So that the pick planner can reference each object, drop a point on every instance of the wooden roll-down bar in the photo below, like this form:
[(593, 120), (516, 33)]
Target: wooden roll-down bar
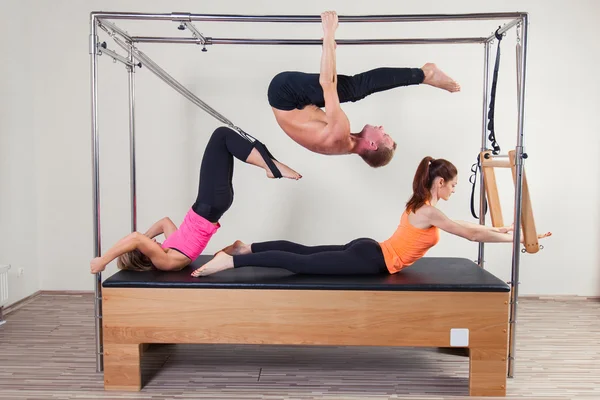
[(488, 163)]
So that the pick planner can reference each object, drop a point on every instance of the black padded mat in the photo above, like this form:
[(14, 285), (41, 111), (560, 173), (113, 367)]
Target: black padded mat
[(427, 274)]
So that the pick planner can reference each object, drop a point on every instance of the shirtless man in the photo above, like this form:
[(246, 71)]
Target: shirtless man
[(297, 98)]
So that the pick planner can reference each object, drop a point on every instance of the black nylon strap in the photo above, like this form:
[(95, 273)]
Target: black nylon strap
[(268, 157), (492, 108), (476, 168)]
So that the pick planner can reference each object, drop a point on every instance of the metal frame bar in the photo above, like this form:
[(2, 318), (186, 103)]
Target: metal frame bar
[(304, 42), (96, 192), (484, 142), (178, 17), (504, 29), (133, 180), (116, 56), (195, 32), (102, 19), (522, 68), (116, 29)]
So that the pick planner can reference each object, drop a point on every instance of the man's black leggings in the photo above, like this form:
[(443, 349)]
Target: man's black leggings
[(290, 90), (215, 189), (359, 257)]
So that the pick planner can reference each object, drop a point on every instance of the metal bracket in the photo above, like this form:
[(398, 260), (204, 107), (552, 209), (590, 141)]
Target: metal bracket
[(180, 17), (195, 32), (93, 45), (117, 57)]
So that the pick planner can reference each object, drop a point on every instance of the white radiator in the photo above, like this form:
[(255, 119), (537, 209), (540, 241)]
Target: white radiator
[(3, 286)]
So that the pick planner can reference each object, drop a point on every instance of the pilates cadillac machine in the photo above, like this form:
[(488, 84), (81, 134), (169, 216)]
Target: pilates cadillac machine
[(449, 302)]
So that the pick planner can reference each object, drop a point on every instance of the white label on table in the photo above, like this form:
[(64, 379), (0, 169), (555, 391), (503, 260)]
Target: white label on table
[(459, 337)]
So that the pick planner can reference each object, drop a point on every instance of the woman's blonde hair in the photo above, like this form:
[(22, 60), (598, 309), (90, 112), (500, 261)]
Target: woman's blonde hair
[(135, 261)]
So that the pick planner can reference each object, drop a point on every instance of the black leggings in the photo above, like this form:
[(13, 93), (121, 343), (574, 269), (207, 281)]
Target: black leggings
[(290, 90), (215, 191), (358, 257)]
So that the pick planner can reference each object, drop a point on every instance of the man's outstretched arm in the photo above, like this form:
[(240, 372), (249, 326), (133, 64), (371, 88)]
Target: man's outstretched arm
[(337, 121)]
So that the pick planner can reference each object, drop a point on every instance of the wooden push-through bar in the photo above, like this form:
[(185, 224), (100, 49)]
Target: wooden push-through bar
[(491, 188)]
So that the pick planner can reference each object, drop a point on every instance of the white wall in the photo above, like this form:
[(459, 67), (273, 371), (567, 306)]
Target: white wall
[(340, 198), (18, 155)]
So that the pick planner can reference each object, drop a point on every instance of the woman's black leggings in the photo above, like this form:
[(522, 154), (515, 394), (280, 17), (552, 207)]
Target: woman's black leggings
[(290, 90), (359, 257), (215, 191)]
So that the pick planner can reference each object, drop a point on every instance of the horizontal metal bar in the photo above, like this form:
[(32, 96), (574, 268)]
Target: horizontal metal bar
[(210, 40), (308, 18), (115, 29), (116, 56), (504, 29), (126, 15)]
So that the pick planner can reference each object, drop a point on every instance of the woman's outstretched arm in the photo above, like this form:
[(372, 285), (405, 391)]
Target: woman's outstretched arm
[(470, 232), (501, 229), (163, 225), (135, 240)]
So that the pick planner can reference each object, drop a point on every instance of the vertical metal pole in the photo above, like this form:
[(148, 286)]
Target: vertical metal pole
[(522, 63), (96, 192), (131, 78), (486, 84)]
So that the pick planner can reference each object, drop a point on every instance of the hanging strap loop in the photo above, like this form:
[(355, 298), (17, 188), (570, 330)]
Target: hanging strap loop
[(476, 169), (492, 107)]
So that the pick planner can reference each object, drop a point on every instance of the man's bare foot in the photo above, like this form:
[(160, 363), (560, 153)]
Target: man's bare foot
[(221, 262), (437, 78), (286, 171), (237, 248)]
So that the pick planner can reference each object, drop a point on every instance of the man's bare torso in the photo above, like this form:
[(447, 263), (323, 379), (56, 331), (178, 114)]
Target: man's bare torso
[(308, 126)]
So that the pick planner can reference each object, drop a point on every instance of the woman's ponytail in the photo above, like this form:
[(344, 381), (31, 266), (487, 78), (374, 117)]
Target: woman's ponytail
[(428, 169)]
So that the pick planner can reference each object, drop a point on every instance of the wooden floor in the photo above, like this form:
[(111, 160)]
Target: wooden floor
[(47, 352)]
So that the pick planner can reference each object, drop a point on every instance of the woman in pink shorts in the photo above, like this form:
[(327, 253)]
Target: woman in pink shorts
[(141, 252)]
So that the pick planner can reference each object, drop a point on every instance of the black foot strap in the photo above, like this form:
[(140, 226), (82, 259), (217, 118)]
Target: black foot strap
[(268, 157), (475, 169), (492, 108)]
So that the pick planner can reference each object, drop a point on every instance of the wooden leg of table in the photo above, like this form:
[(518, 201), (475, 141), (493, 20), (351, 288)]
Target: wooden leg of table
[(122, 370), (487, 372)]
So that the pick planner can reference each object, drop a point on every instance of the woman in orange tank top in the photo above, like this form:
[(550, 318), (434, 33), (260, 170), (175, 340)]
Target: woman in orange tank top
[(417, 232)]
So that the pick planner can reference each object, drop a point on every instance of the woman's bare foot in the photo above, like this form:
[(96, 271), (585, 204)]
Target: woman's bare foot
[(255, 158), (286, 171), (221, 262), (237, 248), (437, 78)]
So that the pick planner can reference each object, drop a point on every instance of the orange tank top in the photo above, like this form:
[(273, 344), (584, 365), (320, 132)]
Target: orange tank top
[(407, 244)]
